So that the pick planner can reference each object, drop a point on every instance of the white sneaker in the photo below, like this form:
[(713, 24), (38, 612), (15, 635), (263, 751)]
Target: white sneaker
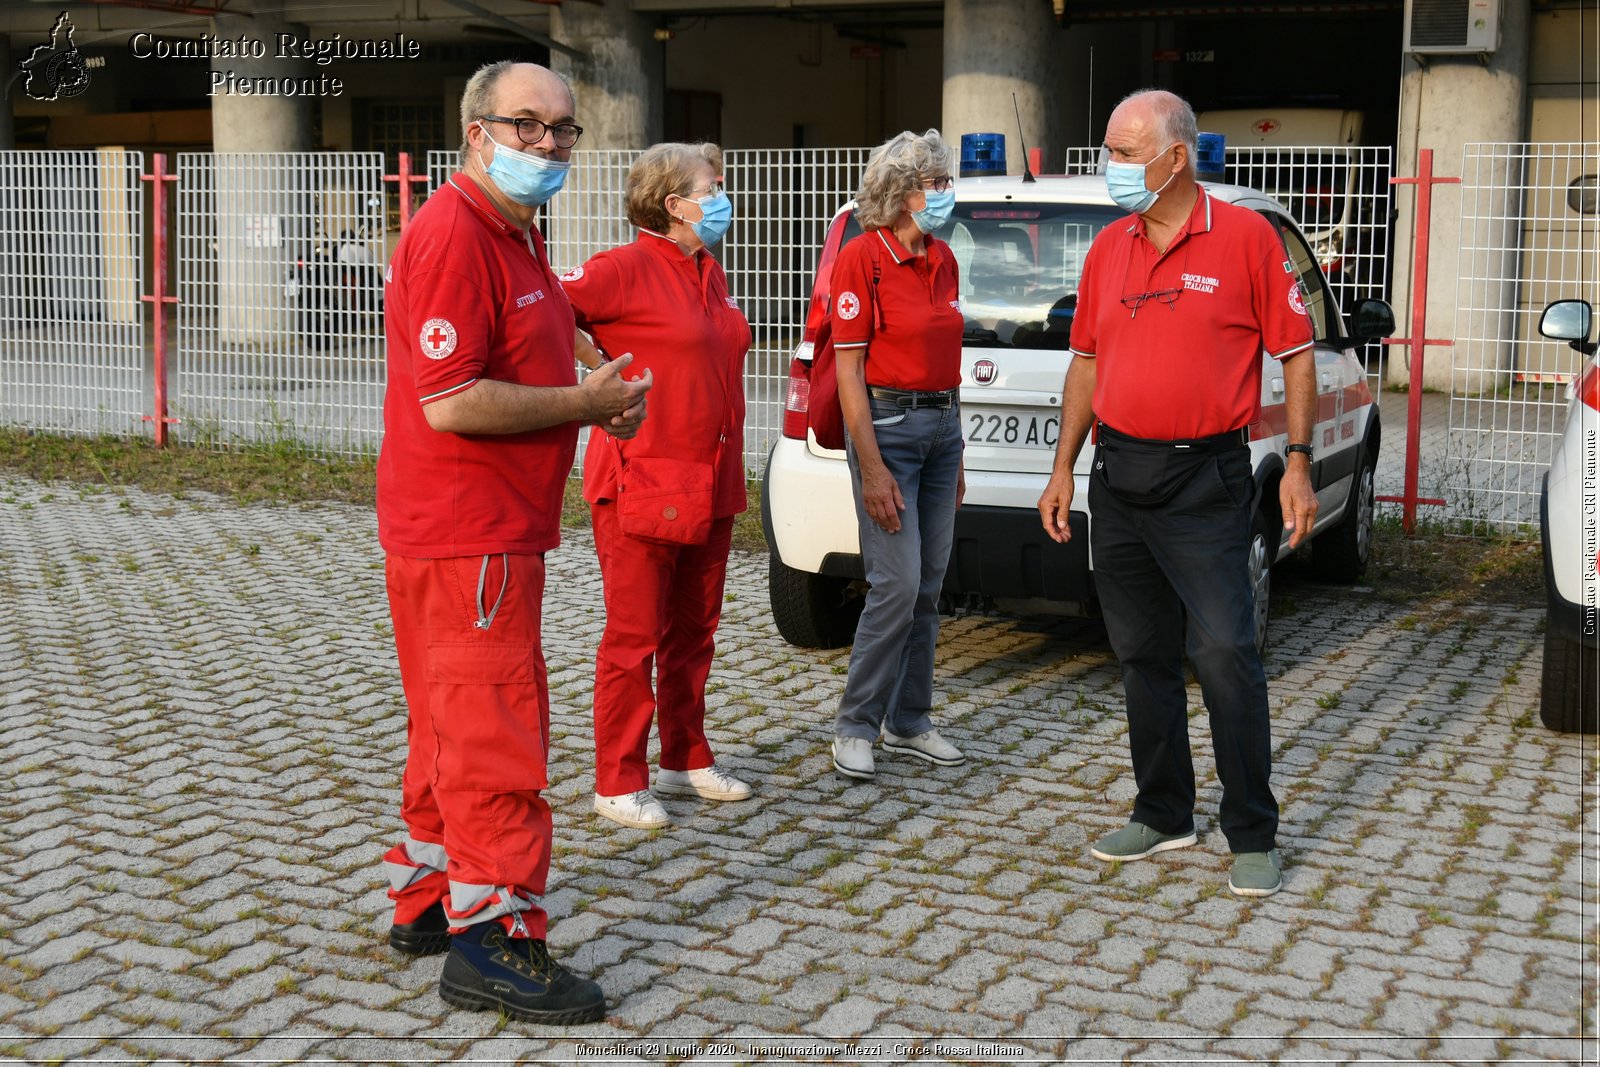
[(708, 783), (929, 746), (633, 809), (853, 756)]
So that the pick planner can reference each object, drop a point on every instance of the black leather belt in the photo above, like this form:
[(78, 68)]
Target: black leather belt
[(912, 399), (1220, 442)]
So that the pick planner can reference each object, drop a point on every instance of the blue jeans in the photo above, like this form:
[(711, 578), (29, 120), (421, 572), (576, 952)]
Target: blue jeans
[(890, 685), (1176, 577)]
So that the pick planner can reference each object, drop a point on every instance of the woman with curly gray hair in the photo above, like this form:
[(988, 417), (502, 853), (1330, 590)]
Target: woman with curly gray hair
[(897, 337)]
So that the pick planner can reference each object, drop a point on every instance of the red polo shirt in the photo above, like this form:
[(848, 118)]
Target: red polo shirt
[(469, 296), (673, 312), (915, 335), (1190, 368)]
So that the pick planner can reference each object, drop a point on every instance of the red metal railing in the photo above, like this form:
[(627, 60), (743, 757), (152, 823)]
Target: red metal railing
[(405, 178), (1419, 340), (159, 299)]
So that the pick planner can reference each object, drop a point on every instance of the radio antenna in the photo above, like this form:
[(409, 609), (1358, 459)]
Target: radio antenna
[(1027, 171)]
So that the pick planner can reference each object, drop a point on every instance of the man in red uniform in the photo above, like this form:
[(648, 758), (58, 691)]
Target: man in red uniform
[(481, 418), (1175, 307)]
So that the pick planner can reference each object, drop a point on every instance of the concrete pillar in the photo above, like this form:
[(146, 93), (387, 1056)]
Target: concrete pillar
[(264, 221), (619, 87), (8, 67), (992, 49), (1447, 102), (260, 123)]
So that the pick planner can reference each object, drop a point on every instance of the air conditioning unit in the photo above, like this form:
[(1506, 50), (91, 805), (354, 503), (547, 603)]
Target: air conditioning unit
[(1452, 27)]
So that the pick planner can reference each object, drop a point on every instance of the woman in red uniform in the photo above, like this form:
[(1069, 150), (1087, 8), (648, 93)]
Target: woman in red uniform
[(664, 299), (897, 332)]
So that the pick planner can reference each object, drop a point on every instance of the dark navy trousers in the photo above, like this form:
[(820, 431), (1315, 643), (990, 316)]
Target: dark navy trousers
[(1175, 578)]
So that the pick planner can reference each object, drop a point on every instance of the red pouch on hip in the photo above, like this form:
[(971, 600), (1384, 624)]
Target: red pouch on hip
[(666, 500)]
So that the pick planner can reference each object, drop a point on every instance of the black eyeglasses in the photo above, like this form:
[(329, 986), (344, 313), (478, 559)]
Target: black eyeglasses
[(938, 185), (1136, 301), (532, 131)]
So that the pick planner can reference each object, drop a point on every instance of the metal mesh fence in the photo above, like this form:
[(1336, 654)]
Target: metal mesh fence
[(280, 290), (1530, 234), (1341, 198), (72, 230), (441, 163), (783, 200)]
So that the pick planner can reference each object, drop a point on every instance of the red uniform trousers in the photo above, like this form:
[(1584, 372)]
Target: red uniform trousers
[(472, 665), (663, 603)]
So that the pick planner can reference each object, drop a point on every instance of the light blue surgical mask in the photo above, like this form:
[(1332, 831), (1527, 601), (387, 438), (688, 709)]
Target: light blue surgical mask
[(716, 213), (937, 212), (527, 179), (1125, 183)]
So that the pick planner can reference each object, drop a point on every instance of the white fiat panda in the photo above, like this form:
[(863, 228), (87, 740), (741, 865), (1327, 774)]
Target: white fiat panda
[(1021, 245)]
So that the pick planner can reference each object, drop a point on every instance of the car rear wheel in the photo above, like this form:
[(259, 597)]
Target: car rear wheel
[(1561, 704), (1260, 564), (1342, 553), (812, 610)]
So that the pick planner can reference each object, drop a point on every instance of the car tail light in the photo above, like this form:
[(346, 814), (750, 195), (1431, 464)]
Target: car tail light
[(798, 402), (1588, 385)]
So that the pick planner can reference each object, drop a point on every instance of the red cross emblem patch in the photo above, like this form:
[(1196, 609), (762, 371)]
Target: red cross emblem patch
[(438, 338), (849, 305)]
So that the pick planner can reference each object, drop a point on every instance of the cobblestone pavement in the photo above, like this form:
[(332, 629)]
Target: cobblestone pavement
[(203, 735)]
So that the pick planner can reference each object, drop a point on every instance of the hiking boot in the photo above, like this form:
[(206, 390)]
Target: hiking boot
[(852, 756), (638, 809), (926, 746), (490, 970), (707, 783), (1135, 841), (1256, 874), (427, 935)]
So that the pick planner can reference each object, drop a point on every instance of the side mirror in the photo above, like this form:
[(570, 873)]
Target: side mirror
[(1569, 321), (1374, 318)]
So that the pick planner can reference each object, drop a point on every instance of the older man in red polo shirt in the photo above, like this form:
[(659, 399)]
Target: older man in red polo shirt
[(481, 420), (1175, 307)]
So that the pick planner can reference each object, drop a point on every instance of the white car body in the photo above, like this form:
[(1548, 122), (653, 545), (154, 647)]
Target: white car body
[(1569, 514), (1010, 409)]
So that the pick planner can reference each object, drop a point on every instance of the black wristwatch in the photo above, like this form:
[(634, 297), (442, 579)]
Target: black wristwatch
[(1290, 450)]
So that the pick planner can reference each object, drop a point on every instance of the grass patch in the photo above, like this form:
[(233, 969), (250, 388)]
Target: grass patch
[(1451, 561), (1456, 563), (279, 473)]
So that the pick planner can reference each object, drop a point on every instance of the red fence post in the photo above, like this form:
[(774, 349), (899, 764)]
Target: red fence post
[(405, 178), (159, 299), (1424, 181)]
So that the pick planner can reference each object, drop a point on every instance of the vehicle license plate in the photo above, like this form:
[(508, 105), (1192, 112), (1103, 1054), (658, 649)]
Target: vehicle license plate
[(1013, 427)]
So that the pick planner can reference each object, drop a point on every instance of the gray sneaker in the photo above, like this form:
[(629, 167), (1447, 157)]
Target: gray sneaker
[(1135, 841), (853, 756), (1256, 874), (926, 746)]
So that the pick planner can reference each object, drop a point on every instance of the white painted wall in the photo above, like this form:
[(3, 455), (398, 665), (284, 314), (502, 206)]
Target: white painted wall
[(1447, 102)]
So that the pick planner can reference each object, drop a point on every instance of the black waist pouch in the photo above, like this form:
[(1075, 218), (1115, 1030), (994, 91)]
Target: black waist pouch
[(1148, 473)]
